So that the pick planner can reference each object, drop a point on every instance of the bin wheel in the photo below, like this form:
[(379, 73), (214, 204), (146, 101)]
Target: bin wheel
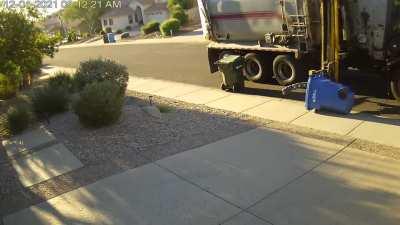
[(223, 86), (395, 85), (237, 88), (253, 67), (285, 69)]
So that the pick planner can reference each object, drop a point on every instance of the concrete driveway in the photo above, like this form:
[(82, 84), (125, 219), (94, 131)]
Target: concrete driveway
[(258, 177)]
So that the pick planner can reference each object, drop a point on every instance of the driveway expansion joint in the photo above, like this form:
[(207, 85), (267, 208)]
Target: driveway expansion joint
[(302, 175), (354, 128), (213, 194)]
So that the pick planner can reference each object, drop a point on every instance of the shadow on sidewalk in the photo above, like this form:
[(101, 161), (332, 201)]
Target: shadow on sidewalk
[(348, 189)]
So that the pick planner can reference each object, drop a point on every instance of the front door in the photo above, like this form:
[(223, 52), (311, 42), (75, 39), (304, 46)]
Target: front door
[(139, 15)]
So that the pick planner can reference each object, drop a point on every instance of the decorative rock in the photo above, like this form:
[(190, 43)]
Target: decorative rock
[(153, 111)]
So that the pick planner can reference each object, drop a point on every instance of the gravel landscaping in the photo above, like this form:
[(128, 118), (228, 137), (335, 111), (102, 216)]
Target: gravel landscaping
[(136, 139)]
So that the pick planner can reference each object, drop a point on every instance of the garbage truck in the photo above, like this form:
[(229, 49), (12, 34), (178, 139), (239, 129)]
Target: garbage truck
[(282, 39)]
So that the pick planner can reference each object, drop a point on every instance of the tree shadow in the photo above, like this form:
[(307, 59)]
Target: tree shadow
[(351, 188)]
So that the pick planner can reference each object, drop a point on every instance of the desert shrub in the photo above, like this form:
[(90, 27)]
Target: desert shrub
[(183, 3), (49, 100), (178, 13), (96, 70), (19, 118), (128, 28), (62, 80), (72, 36), (170, 26), (10, 78), (108, 30), (125, 35), (119, 31), (150, 27), (99, 104)]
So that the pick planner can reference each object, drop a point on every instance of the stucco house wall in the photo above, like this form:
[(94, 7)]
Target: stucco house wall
[(142, 11), (119, 22)]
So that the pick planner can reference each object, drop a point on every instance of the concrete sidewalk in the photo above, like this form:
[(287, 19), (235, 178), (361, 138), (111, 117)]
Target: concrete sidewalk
[(259, 177), (357, 125)]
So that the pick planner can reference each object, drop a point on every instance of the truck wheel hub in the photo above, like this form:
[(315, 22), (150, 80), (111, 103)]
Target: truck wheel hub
[(285, 71), (252, 68)]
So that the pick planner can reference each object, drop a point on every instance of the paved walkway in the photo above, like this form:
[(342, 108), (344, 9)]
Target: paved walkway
[(259, 177), (36, 156)]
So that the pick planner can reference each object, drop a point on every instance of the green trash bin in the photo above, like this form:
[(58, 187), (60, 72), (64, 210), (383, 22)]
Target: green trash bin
[(230, 67)]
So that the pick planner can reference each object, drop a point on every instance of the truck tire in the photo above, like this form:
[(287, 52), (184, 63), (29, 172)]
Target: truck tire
[(285, 69), (253, 67), (395, 85)]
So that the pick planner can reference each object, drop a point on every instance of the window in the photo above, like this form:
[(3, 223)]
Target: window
[(130, 19), (105, 22), (110, 21)]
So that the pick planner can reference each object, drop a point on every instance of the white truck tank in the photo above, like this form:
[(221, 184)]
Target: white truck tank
[(250, 20)]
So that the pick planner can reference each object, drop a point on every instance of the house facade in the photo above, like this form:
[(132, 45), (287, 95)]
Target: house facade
[(133, 14)]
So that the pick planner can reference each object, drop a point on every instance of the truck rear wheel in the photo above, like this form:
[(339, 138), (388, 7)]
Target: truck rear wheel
[(285, 70), (395, 85), (253, 67)]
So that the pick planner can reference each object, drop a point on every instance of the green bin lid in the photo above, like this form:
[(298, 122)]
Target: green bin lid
[(229, 59)]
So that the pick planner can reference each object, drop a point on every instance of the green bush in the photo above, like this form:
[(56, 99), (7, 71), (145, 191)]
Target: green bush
[(72, 36), (99, 104), (108, 30), (50, 100), (170, 25), (62, 80), (150, 27), (22, 42), (128, 28), (96, 70), (119, 31), (18, 118), (178, 13), (10, 79), (183, 3)]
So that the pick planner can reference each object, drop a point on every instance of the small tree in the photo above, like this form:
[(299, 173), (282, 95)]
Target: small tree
[(183, 3), (178, 13), (22, 43)]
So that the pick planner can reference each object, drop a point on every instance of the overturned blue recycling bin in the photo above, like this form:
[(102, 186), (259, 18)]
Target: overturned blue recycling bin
[(322, 93), (111, 38)]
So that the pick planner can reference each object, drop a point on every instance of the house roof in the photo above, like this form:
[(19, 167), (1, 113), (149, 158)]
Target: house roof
[(119, 12), (156, 7), (146, 2)]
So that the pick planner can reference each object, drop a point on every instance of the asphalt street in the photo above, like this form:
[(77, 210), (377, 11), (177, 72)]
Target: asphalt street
[(187, 62)]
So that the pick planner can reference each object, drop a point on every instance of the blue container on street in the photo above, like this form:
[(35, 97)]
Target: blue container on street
[(322, 93), (111, 38)]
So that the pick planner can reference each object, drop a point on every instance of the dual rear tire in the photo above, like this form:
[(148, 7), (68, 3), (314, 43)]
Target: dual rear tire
[(283, 68), (260, 68)]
